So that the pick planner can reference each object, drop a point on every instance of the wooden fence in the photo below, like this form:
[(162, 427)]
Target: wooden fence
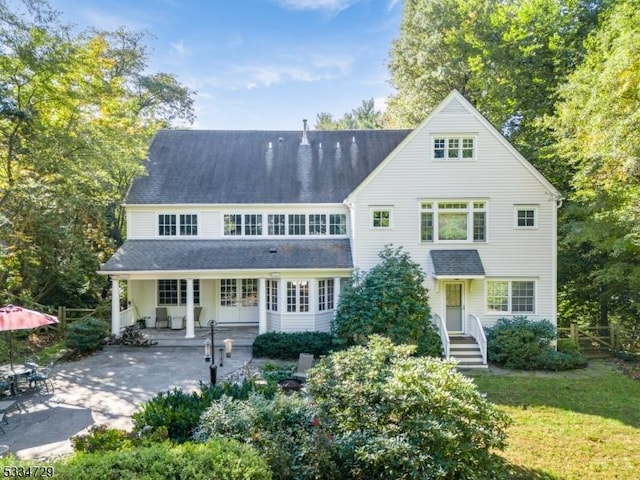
[(601, 341), (69, 315)]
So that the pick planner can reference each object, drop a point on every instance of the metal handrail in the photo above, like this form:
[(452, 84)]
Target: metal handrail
[(442, 331), (476, 331)]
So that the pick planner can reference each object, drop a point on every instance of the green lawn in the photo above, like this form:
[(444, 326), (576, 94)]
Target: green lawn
[(571, 425)]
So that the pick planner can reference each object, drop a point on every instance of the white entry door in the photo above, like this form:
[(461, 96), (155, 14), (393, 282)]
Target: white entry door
[(454, 306)]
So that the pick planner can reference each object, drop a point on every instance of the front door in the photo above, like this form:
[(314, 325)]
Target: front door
[(454, 306)]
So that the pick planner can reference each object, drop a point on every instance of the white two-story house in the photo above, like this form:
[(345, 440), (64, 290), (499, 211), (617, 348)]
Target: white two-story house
[(264, 227)]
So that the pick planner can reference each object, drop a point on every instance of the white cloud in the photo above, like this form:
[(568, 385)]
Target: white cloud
[(180, 48)]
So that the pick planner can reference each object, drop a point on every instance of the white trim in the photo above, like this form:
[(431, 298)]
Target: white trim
[(176, 214), (510, 281), (380, 208), (525, 207)]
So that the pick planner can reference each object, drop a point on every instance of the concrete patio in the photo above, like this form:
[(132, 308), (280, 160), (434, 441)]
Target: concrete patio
[(106, 388)]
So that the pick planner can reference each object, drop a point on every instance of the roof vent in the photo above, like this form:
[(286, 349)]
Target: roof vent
[(305, 140), (273, 249)]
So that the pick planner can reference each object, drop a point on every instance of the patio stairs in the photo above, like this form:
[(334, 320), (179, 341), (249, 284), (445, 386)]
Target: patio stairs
[(241, 336), (466, 351)]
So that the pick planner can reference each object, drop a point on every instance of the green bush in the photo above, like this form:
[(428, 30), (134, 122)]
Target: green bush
[(524, 344), (555, 360), (395, 415), (289, 346), (284, 429), (389, 300), (178, 412), (102, 438), (86, 335), (220, 459)]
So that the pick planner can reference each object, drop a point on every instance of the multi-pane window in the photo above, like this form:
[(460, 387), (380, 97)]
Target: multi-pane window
[(381, 218), (168, 292), (325, 295), (228, 292), (188, 224), (337, 224), (297, 224), (453, 148), (526, 217), (249, 292), (166, 224), (453, 221), (297, 296), (277, 224), (253, 225), (233, 224), (511, 296), (317, 224), (196, 292), (272, 295)]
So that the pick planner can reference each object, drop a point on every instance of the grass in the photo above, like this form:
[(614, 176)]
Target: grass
[(580, 425)]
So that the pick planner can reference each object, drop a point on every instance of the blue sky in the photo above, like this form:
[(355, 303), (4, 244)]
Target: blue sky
[(260, 64)]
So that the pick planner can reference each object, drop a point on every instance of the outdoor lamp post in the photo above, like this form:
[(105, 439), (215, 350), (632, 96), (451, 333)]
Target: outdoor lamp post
[(207, 350)]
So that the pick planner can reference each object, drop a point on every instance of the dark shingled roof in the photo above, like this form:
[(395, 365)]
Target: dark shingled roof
[(463, 263), (179, 255), (199, 166)]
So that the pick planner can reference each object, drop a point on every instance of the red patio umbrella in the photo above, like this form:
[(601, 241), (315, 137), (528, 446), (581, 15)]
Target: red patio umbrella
[(13, 317)]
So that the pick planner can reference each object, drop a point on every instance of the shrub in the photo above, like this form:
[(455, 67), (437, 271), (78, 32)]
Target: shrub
[(219, 459), (394, 415), (178, 412), (554, 360), (289, 346), (524, 344), (518, 342), (284, 429), (86, 335), (103, 439), (389, 300)]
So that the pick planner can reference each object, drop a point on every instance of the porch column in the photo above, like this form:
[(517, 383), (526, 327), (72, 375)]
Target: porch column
[(262, 306), (115, 305), (190, 323), (336, 295)]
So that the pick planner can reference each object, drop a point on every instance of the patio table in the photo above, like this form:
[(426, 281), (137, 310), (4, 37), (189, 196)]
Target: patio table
[(15, 374)]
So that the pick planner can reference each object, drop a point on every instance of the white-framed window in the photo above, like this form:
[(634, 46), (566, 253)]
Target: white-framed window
[(526, 216), (297, 224), (380, 217), (453, 221), (233, 224), (167, 224), (297, 296), (325, 295), (453, 147), (188, 224), (228, 292), (317, 224), (168, 293), (249, 292), (277, 225), (511, 296), (252, 224), (272, 295), (337, 224)]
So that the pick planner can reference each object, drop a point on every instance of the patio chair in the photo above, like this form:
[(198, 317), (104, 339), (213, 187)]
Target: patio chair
[(42, 377), (161, 316), (196, 317), (305, 362)]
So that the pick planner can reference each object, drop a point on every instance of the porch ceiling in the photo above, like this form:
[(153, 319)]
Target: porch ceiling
[(178, 255), (456, 264)]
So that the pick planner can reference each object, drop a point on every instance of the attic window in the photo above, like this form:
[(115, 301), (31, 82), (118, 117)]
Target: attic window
[(453, 148)]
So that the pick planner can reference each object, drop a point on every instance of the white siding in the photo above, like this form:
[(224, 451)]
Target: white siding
[(298, 322), (495, 176), (141, 225), (323, 321)]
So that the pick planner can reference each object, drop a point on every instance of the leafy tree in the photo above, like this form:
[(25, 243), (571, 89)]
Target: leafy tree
[(365, 117), (391, 300), (394, 415), (597, 128), (76, 117)]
